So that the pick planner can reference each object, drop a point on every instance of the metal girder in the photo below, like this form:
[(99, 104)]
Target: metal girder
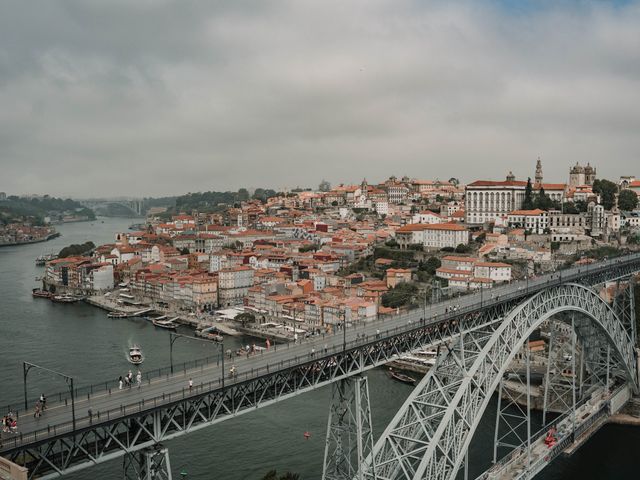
[(349, 430), (430, 435), (151, 463), (100, 441)]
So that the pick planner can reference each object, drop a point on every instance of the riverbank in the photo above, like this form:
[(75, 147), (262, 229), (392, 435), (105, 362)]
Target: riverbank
[(31, 242)]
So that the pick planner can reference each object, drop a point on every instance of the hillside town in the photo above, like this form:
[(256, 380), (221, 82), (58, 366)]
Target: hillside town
[(355, 252)]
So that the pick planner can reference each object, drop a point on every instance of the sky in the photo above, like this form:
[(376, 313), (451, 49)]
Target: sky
[(160, 97)]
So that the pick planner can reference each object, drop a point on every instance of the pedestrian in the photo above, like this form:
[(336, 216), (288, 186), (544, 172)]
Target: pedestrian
[(377, 333), (90, 413), (36, 413), (313, 351), (295, 338), (326, 348), (190, 384), (139, 378), (43, 401), (120, 383)]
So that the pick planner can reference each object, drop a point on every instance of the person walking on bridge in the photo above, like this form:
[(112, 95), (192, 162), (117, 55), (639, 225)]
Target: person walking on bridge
[(43, 401), (139, 378)]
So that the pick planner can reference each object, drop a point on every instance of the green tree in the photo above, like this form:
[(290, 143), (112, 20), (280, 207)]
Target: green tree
[(607, 191), (527, 204), (543, 202), (399, 296), (431, 265), (462, 248), (627, 200)]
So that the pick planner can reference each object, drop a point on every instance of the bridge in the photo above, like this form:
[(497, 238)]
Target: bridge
[(477, 344), (135, 206)]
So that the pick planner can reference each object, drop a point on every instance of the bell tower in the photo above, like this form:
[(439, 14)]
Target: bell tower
[(538, 177)]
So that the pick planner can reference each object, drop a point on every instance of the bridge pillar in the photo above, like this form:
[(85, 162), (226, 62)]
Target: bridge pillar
[(148, 464), (349, 432)]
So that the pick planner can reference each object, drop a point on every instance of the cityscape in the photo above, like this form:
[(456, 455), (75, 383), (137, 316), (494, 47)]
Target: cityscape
[(320, 241)]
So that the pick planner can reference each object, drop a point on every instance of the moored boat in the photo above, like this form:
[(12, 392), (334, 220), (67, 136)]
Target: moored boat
[(135, 355), (117, 315), (40, 293), (401, 377), (166, 324), (66, 298), (210, 333)]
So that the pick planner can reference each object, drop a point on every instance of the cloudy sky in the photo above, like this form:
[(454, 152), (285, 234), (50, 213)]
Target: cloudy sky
[(155, 97)]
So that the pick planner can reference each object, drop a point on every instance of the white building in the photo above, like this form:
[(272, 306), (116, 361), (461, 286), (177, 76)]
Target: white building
[(233, 285), (535, 221)]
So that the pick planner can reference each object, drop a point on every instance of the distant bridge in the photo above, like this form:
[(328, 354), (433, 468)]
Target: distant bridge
[(136, 206), (429, 436)]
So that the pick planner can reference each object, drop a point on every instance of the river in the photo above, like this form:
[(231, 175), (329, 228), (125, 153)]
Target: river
[(79, 340)]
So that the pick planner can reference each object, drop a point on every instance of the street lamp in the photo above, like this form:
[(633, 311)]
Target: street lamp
[(175, 336), (27, 366)]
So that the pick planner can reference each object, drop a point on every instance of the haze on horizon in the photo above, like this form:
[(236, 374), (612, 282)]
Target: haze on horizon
[(162, 97)]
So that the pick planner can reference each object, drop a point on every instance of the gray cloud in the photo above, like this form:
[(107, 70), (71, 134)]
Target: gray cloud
[(162, 97)]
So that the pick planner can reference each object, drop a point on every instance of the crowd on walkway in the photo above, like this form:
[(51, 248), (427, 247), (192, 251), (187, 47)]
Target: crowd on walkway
[(127, 380)]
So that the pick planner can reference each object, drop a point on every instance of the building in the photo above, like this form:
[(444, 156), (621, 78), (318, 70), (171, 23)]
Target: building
[(397, 275), (579, 175), (471, 273), (433, 236), (233, 285), (534, 221), (488, 201)]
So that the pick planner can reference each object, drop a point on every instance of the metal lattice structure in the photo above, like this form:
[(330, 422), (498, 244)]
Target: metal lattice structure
[(349, 431), (148, 464), (461, 335), (429, 437)]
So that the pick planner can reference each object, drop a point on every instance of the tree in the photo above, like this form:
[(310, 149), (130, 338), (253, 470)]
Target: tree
[(431, 265), (245, 317), (399, 296), (243, 194), (627, 200), (454, 181), (392, 243), (527, 204), (324, 186), (543, 202), (607, 191), (462, 248)]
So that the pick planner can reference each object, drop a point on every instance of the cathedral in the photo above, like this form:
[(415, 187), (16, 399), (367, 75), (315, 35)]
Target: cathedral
[(579, 175)]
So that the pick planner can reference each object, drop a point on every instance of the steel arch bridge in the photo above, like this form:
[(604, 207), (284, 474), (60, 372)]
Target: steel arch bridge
[(430, 435)]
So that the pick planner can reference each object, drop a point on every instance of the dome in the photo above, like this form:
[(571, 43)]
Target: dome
[(577, 169), (588, 169)]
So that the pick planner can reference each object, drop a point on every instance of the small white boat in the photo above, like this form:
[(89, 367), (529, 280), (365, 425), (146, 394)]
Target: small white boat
[(166, 324), (117, 315), (135, 355)]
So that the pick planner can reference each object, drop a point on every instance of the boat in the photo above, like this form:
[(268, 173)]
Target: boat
[(117, 315), (43, 259), (135, 355), (166, 324), (66, 298), (401, 377), (210, 333), (40, 293)]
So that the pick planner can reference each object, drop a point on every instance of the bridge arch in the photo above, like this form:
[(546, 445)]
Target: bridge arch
[(430, 435)]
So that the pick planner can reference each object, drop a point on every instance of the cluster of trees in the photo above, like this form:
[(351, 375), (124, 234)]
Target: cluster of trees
[(427, 269), (401, 295), (539, 200), (33, 210), (206, 201), (76, 249)]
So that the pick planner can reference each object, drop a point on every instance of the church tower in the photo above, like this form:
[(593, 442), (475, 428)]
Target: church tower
[(538, 177)]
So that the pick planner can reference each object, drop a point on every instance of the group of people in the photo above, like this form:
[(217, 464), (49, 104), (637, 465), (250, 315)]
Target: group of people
[(128, 379), (41, 406), (9, 423), (451, 308)]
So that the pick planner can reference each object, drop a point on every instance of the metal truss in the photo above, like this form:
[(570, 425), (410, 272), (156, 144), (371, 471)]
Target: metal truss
[(147, 425), (151, 463), (349, 431), (430, 435)]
